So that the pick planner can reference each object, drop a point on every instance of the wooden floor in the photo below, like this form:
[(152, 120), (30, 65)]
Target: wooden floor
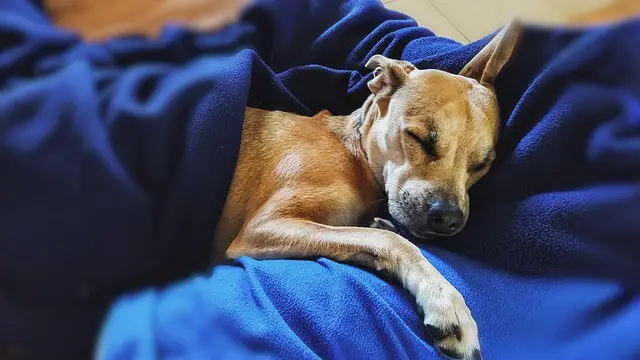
[(614, 12), (469, 20), (99, 19), (463, 20)]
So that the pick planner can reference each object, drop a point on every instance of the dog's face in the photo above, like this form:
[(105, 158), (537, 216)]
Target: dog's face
[(441, 130), (433, 135)]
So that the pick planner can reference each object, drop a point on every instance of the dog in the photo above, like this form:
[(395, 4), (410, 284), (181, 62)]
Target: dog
[(311, 186)]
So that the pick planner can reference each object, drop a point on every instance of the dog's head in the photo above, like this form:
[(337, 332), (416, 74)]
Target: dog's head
[(430, 135)]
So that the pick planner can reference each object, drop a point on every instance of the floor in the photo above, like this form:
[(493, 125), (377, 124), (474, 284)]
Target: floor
[(462, 20), (99, 19), (469, 20)]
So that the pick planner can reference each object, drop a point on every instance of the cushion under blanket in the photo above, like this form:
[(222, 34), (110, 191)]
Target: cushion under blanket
[(115, 160)]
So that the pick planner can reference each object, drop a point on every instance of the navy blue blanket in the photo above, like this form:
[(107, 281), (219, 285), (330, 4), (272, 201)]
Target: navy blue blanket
[(115, 159)]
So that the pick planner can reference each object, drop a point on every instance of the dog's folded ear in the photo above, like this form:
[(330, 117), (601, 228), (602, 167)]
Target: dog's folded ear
[(486, 65), (389, 74)]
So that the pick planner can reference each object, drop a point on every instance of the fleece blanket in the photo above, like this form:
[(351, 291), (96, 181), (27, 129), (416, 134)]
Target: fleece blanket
[(115, 159)]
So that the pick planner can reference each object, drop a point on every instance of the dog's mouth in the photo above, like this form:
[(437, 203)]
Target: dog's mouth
[(428, 235), (423, 236)]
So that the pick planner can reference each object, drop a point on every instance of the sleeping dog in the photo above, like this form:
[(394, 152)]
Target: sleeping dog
[(311, 186)]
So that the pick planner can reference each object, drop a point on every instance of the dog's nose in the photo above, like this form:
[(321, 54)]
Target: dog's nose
[(445, 218)]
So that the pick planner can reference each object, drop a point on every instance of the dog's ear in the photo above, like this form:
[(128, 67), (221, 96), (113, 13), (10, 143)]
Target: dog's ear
[(486, 65), (389, 74)]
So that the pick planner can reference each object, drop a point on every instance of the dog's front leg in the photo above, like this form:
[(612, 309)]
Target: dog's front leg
[(445, 313)]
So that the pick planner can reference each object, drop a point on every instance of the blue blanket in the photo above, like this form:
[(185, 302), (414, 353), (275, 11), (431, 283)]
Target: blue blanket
[(115, 159)]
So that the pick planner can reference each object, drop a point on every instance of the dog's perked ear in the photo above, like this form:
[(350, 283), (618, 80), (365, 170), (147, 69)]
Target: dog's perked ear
[(389, 74), (486, 65)]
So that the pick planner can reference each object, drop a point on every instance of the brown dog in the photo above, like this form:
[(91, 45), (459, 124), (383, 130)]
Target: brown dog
[(309, 187)]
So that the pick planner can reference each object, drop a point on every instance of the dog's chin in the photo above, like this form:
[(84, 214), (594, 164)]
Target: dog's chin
[(428, 235), (423, 236)]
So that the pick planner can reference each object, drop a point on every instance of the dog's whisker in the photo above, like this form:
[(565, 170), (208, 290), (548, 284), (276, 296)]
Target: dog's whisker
[(400, 188)]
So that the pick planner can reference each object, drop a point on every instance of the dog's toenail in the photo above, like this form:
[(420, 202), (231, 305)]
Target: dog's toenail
[(476, 355), (437, 333), (456, 332), (451, 353)]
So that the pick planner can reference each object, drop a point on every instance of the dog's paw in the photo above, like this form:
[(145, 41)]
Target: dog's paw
[(448, 320)]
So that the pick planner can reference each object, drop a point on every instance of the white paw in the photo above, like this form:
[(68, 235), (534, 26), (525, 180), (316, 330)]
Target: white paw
[(448, 321)]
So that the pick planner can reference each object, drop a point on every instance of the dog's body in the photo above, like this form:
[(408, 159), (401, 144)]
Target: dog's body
[(311, 186), (305, 162)]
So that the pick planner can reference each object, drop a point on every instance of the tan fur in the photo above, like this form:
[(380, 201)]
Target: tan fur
[(309, 186), (464, 116)]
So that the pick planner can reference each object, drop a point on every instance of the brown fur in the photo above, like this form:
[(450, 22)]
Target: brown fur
[(308, 186)]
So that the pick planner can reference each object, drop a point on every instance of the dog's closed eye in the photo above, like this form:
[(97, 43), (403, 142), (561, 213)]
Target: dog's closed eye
[(428, 143), (484, 163), (479, 167)]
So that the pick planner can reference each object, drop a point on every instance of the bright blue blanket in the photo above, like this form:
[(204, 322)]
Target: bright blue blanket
[(115, 159)]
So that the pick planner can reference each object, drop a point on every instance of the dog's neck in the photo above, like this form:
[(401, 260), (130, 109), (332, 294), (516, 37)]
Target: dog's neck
[(353, 130), (348, 130)]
